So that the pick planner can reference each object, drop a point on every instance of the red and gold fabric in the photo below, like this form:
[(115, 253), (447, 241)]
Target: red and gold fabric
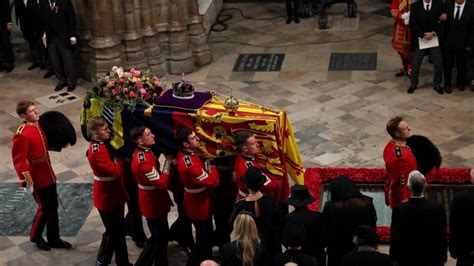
[(399, 162), (401, 36), (30, 156), (109, 191), (153, 198), (198, 183)]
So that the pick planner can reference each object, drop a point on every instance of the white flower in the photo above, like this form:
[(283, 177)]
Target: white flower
[(120, 72)]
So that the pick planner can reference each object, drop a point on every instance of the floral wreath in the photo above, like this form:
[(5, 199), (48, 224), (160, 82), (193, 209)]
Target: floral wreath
[(126, 89)]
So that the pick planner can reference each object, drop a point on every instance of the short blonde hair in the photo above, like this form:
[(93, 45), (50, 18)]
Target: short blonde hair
[(95, 123)]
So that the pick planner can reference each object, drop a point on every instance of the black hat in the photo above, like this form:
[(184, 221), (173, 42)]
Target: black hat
[(366, 234), (58, 129), (300, 196), (253, 178), (294, 234)]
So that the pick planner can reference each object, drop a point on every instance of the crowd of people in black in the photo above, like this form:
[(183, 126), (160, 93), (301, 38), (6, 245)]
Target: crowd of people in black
[(49, 28)]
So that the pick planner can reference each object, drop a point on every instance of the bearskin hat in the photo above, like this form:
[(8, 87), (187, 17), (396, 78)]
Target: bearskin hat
[(58, 130), (426, 153)]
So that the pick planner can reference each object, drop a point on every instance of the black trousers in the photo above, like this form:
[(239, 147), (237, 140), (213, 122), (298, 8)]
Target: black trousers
[(113, 240), (465, 261), (292, 9), (133, 219), (202, 249), (181, 230), (435, 56), (156, 249), (46, 214), (62, 59), (6, 53), (460, 58)]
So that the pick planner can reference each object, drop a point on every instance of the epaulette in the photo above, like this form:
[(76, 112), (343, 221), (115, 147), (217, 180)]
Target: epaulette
[(187, 161), (20, 128), (398, 152), (141, 156), (248, 164), (95, 147)]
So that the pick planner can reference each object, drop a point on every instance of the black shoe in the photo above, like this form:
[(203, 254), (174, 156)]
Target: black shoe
[(71, 87), (448, 89), (60, 86), (439, 90), (461, 87), (411, 89), (60, 244), (48, 74), (41, 244), (9, 69), (288, 20), (400, 73), (140, 243), (297, 20), (33, 66)]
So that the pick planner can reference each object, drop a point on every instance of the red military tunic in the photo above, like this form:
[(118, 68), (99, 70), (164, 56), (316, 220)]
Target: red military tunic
[(242, 163), (109, 191), (399, 162), (153, 198), (401, 37), (197, 182), (30, 156)]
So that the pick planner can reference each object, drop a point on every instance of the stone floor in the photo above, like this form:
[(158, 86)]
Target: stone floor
[(338, 116)]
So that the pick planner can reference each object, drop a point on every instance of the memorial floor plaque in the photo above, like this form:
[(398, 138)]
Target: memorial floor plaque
[(353, 61), (58, 98), (258, 62), (18, 208)]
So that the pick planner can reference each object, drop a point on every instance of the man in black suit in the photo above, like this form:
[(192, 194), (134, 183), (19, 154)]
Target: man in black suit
[(6, 52), (418, 229), (458, 41), (461, 224), (60, 38), (425, 23), (312, 221), (28, 15)]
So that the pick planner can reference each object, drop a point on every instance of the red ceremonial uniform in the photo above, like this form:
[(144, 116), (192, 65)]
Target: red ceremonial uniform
[(153, 197), (30, 156), (109, 190), (401, 36), (197, 182), (242, 163), (399, 162)]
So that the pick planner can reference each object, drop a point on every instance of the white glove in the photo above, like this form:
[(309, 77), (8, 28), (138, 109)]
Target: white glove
[(406, 17)]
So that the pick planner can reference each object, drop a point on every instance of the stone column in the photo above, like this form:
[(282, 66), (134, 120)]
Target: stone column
[(151, 40), (132, 36), (83, 37), (197, 35), (105, 43), (179, 58)]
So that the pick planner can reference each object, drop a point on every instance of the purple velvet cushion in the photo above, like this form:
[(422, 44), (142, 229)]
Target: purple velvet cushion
[(197, 102)]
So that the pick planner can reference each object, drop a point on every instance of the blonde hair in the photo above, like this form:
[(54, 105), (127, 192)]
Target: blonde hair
[(95, 123), (246, 234)]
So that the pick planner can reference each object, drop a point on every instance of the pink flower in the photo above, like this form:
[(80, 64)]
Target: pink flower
[(114, 92), (105, 89), (122, 80), (142, 91), (157, 83), (139, 84), (155, 95), (111, 83), (125, 90), (127, 74), (131, 94), (135, 72)]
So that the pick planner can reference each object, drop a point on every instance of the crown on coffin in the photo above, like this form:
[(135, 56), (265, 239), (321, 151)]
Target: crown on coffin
[(183, 89)]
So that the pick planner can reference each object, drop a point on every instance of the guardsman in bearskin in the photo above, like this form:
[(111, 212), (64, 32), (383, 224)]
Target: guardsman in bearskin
[(33, 166), (399, 162), (153, 197), (198, 178), (249, 148), (109, 195)]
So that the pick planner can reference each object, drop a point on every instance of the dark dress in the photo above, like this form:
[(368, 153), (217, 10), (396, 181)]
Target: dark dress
[(313, 223), (266, 220), (295, 256), (461, 221), (346, 210), (366, 257), (231, 255)]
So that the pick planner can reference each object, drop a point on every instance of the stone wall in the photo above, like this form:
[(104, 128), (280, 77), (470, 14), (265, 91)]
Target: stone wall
[(166, 36)]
